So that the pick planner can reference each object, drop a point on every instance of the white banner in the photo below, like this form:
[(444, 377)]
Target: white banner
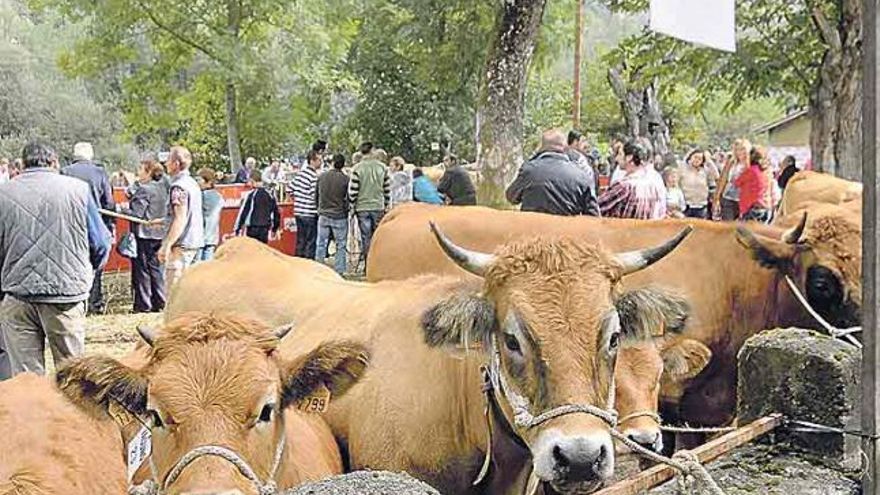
[(706, 22)]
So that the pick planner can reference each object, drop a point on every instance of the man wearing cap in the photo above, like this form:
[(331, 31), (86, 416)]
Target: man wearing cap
[(85, 169), (638, 194)]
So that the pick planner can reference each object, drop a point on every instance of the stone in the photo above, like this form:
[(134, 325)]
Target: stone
[(805, 376), (366, 483)]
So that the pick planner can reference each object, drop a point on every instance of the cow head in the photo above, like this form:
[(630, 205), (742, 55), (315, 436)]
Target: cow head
[(214, 381), (546, 315), (823, 256), (653, 318)]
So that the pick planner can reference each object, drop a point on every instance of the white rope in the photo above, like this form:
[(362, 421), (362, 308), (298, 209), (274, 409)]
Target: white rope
[(831, 329), (150, 487)]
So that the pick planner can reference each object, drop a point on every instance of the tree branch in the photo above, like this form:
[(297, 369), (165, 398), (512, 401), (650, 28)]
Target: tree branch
[(829, 34), (175, 34)]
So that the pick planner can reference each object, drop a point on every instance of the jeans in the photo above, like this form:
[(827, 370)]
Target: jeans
[(368, 221), (147, 278), (756, 214), (692, 212), (729, 210), (26, 326), (206, 253), (179, 261), (339, 230), (306, 235)]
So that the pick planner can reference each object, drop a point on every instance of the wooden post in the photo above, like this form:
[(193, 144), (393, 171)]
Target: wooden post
[(578, 55), (870, 253), (708, 451)]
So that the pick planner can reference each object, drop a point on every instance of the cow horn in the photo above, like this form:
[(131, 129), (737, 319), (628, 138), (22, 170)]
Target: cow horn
[(147, 333), (634, 261), (472, 261), (282, 331), (793, 236)]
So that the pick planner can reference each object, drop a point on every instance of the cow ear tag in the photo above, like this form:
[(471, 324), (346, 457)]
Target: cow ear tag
[(317, 402)]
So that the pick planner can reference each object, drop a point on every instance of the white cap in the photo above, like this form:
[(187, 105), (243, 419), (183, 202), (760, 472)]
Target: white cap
[(83, 151)]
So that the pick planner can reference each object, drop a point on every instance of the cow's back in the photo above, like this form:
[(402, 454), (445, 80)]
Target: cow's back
[(245, 267), (49, 446), (807, 188)]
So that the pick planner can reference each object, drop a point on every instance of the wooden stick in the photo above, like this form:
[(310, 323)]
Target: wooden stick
[(708, 451), (122, 216)]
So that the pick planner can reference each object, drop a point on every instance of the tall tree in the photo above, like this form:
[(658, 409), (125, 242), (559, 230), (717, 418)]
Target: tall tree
[(500, 117), (803, 53)]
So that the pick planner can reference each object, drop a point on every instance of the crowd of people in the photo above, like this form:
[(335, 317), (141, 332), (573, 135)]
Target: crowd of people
[(57, 224)]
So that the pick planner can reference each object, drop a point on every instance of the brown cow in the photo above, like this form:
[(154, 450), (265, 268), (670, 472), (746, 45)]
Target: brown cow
[(49, 446), (543, 320), (808, 188), (215, 394), (732, 296)]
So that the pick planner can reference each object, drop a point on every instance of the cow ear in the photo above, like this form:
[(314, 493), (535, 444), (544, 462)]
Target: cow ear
[(95, 381), (335, 366), (683, 358), (463, 320), (652, 311), (768, 252)]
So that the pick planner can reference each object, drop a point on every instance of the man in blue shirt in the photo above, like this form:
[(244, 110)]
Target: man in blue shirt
[(51, 241)]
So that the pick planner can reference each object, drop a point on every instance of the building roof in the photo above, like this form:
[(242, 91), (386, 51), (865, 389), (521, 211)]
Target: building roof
[(781, 122)]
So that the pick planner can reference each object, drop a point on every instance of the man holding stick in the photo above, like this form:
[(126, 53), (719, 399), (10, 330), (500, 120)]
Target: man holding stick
[(186, 231)]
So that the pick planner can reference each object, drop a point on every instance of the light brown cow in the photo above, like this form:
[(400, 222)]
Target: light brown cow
[(809, 188), (49, 446), (216, 393), (732, 296), (543, 319)]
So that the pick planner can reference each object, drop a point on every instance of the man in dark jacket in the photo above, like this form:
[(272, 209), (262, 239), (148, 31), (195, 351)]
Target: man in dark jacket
[(46, 278), (551, 183), (259, 214), (85, 169), (333, 213), (456, 184)]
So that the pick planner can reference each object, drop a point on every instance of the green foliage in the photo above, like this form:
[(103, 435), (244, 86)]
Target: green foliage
[(37, 101)]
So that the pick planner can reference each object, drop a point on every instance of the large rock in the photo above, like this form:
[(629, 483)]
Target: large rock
[(804, 376), (366, 483)]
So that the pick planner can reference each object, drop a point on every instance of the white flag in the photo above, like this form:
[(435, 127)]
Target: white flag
[(706, 22)]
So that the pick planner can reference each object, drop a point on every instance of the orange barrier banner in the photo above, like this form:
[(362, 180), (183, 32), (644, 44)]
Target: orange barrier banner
[(232, 195)]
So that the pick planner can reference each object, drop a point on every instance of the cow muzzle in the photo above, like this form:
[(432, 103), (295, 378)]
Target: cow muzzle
[(573, 463)]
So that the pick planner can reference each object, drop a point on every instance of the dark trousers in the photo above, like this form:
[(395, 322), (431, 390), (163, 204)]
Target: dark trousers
[(692, 212), (368, 222), (96, 295), (147, 277), (729, 210), (306, 237), (259, 233)]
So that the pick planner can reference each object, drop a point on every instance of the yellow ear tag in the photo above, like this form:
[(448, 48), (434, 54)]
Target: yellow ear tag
[(317, 402)]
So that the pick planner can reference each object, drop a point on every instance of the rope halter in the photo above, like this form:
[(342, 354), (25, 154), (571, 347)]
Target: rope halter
[(269, 487)]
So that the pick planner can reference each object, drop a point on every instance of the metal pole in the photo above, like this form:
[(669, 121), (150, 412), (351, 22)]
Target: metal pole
[(870, 253), (578, 55)]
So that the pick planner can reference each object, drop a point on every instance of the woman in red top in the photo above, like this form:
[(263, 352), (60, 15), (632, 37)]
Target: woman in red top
[(753, 185)]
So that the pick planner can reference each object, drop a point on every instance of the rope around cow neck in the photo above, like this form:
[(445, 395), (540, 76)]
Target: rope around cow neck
[(270, 487)]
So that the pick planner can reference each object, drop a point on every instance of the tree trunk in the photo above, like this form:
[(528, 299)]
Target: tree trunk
[(836, 103), (501, 102), (232, 127), (642, 111)]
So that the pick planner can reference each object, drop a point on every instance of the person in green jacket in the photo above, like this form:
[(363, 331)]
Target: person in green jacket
[(370, 193)]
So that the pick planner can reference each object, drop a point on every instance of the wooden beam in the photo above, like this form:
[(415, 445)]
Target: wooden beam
[(130, 218), (870, 253), (711, 450)]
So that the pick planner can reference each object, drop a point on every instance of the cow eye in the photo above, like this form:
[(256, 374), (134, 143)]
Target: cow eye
[(266, 413), (156, 419), (511, 343), (614, 341)]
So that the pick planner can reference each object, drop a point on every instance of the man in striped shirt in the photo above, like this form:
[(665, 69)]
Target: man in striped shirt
[(639, 194), (305, 206), (370, 193)]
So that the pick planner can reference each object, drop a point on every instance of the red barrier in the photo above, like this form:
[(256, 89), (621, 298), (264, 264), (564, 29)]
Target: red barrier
[(232, 195)]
